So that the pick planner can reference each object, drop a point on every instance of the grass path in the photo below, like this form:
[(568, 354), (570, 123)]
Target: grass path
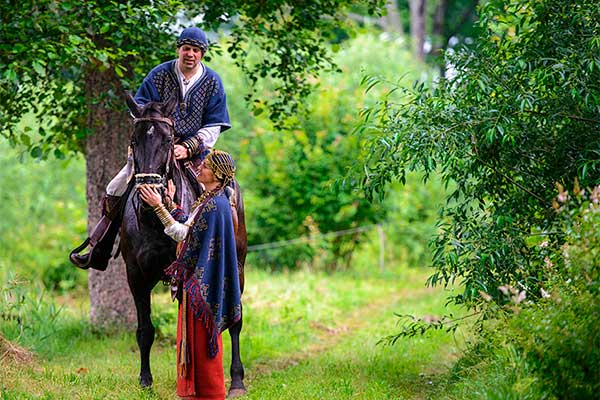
[(306, 336), (345, 362), (328, 337)]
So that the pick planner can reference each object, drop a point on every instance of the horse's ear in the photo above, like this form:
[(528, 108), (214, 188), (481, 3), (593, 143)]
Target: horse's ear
[(133, 106), (169, 106)]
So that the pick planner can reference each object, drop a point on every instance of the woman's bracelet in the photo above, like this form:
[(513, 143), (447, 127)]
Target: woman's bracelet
[(169, 204), (164, 215)]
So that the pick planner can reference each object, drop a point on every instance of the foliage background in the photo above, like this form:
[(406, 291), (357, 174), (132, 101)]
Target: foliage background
[(518, 117), (521, 118), (288, 181)]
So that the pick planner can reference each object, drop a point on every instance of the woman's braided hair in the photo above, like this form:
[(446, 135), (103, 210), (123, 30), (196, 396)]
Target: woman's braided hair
[(222, 165)]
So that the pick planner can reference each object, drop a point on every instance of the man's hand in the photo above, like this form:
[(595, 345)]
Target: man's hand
[(180, 152)]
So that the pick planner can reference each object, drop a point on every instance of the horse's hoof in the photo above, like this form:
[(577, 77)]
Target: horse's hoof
[(236, 393), (146, 382)]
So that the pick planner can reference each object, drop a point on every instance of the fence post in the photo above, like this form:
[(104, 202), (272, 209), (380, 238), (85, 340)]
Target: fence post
[(381, 247)]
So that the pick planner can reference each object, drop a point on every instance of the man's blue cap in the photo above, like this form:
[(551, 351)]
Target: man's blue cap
[(194, 37)]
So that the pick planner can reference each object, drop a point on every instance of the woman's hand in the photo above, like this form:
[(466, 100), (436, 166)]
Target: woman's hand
[(150, 195), (180, 152), (169, 195), (171, 189)]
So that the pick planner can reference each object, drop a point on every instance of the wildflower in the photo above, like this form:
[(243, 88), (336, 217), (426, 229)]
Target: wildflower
[(485, 296), (431, 319), (595, 195), (517, 298), (563, 196), (506, 289)]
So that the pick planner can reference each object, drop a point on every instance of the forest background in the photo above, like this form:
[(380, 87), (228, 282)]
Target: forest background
[(526, 273)]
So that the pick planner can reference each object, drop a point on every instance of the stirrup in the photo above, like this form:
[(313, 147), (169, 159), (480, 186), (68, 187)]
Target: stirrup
[(80, 261), (83, 261), (95, 258)]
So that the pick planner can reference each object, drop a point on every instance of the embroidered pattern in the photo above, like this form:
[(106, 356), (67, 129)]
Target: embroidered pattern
[(214, 248), (207, 267), (187, 119)]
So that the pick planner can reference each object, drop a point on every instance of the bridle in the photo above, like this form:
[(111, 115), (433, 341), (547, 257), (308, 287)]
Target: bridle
[(157, 180), (166, 120)]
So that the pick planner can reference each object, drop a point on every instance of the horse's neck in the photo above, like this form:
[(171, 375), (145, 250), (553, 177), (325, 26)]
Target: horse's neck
[(184, 194)]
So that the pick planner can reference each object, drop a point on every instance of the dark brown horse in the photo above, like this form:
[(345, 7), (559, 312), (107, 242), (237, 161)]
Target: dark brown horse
[(146, 249)]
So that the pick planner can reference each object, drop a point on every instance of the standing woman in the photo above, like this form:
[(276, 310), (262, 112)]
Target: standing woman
[(205, 274)]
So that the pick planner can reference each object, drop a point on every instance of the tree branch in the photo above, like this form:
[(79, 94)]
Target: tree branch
[(573, 117), (511, 180)]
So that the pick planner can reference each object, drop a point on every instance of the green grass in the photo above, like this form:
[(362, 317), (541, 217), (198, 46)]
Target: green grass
[(306, 336)]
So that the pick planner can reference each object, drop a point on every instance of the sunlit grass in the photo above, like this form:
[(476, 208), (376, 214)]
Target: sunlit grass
[(306, 335)]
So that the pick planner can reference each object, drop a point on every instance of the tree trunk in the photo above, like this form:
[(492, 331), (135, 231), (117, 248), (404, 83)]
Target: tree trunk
[(439, 34), (111, 303), (438, 30), (391, 21), (417, 27)]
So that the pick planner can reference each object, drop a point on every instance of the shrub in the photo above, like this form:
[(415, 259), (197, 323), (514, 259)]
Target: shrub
[(548, 349)]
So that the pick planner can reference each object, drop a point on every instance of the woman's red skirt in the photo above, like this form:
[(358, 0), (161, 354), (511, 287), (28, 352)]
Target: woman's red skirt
[(204, 376)]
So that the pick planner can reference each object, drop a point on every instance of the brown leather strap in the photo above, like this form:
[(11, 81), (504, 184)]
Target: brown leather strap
[(100, 230), (234, 219), (167, 121)]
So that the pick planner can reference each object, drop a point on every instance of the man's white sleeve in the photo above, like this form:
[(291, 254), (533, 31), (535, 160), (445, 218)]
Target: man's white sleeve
[(210, 135), (118, 184)]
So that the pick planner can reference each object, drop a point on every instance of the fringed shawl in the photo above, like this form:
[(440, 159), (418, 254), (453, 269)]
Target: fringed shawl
[(207, 269)]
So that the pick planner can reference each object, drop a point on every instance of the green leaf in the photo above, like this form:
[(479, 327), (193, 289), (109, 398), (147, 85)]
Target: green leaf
[(120, 71), (36, 152), (39, 68), (59, 154), (11, 75), (26, 140)]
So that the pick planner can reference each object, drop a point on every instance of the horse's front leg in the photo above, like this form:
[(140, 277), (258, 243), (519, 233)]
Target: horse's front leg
[(145, 333), (236, 371)]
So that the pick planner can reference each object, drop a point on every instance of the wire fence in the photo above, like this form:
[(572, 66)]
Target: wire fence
[(310, 238), (328, 235)]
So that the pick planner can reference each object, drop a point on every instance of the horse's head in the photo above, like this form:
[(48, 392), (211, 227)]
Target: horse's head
[(152, 140)]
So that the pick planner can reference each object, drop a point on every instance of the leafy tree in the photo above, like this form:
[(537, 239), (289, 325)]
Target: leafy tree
[(518, 118), (67, 63), (290, 179)]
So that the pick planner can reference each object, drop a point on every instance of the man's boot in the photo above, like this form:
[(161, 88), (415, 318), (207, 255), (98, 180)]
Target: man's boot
[(102, 239)]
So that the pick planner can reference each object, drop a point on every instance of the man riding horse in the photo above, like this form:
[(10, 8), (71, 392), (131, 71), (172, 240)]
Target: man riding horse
[(199, 118)]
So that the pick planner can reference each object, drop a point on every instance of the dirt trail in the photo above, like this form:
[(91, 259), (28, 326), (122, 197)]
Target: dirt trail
[(327, 337)]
